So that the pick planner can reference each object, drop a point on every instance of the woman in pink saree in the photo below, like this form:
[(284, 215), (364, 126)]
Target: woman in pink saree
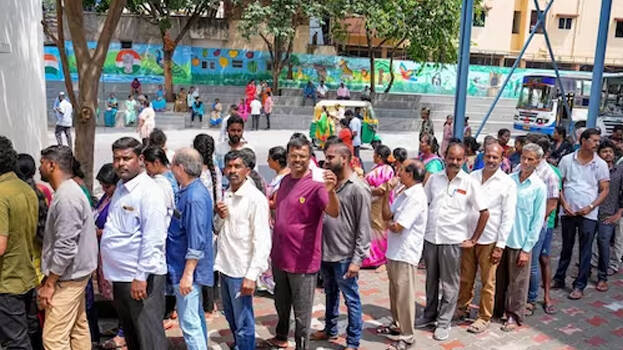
[(249, 92), (378, 180)]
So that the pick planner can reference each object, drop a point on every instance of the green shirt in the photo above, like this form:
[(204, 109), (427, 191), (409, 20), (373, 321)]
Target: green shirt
[(551, 220), (19, 212), (434, 166)]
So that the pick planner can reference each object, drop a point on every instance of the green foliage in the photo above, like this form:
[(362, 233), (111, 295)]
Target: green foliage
[(159, 12)]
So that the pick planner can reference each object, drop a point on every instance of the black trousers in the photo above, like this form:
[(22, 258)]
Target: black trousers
[(19, 325), (294, 291), (255, 121), (267, 120), (142, 320)]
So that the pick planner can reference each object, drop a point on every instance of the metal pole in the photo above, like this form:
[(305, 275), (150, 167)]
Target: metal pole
[(598, 66), (554, 64), (539, 23), (467, 14)]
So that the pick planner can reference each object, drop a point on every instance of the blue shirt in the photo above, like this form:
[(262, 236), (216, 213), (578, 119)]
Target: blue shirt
[(198, 108), (190, 235), (529, 214)]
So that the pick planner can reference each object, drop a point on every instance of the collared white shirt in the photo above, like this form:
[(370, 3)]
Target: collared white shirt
[(449, 205), (134, 238), (244, 238), (169, 197), (500, 193), (580, 183), (64, 118), (410, 212), (256, 107)]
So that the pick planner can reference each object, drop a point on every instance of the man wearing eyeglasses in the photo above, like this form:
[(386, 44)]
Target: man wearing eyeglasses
[(451, 194)]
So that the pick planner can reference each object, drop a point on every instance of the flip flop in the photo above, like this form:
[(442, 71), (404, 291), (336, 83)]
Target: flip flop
[(549, 309), (387, 330)]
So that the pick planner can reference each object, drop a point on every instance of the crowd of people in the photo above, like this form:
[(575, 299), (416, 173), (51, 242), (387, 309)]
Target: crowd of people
[(176, 230)]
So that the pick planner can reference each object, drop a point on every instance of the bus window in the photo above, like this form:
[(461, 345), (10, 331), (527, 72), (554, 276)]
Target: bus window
[(535, 96)]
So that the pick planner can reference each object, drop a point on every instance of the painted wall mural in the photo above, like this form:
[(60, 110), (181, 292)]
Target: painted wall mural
[(219, 66)]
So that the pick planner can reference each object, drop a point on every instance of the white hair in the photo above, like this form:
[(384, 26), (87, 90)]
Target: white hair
[(533, 147)]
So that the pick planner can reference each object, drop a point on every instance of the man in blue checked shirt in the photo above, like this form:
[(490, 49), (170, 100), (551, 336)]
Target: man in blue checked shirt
[(189, 247), (513, 274)]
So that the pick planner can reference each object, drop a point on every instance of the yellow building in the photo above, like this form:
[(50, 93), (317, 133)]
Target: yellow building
[(500, 31)]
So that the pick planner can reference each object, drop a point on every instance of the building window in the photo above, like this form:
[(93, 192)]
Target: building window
[(618, 33), (126, 44), (565, 23), (479, 18), (516, 21), (534, 17)]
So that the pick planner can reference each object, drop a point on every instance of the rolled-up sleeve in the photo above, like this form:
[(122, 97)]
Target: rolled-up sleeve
[(363, 231), (261, 238), (538, 215), (68, 225), (196, 219), (153, 213)]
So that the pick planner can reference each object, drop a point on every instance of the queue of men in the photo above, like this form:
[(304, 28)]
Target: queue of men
[(458, 223)]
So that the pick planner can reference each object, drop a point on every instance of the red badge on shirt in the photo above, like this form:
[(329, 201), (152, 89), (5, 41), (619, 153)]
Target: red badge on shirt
[(461, 191)]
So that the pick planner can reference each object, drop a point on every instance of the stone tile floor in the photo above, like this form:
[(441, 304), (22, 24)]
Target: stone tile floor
[(595, 322)]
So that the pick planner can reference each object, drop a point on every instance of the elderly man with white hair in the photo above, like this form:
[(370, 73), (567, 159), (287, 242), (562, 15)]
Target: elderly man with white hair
[(189, 251), (513, 273)]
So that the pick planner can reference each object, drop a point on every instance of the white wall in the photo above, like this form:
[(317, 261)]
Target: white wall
[(22, 84)]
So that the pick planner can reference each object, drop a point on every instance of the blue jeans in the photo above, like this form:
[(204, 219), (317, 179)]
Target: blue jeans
[(192, 318), (540, 248), (586, 232), (334, 282), (604, 236), (238, 312)]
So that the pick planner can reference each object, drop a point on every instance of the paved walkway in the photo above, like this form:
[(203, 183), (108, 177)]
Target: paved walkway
[(594, 322)]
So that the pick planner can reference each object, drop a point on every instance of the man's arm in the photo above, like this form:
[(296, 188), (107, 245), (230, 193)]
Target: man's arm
[(363, 231), (152, 214), (260, 241), (536, 222), (4, 238), (4, 225), (68, 225), (333, 208), (509, 205)]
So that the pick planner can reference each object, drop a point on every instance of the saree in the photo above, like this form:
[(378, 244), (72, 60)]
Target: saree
[(130, 112), (379, 176), (160, 103), (110, 117)]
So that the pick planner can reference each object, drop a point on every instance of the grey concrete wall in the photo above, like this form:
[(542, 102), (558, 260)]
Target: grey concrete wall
[(22, 83)]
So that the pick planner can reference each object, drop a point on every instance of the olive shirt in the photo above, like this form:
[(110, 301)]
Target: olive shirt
[(19, 211)]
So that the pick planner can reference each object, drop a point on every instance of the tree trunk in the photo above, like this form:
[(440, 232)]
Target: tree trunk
[(276, 72), (371, 55), (391, 72), (85, 124), (168, 74)]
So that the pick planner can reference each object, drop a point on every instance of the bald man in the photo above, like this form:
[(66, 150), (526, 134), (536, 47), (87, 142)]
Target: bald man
[(189, 251), (500, 191), (345, 243)]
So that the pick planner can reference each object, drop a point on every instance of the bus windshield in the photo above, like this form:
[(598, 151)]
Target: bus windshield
[(536, 96), (612, 96)]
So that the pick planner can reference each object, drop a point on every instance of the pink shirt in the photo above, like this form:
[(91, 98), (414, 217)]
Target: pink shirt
[(268, 105), (297, 235)]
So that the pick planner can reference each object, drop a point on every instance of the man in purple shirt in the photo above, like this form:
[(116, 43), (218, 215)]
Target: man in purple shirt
[(301, 202)]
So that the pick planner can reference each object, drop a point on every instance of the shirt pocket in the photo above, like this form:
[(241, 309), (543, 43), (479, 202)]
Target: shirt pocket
[(525, 204), (128, 220)]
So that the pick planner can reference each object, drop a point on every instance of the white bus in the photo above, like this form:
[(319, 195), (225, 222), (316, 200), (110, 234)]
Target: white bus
[(540, 107), (611, 109)]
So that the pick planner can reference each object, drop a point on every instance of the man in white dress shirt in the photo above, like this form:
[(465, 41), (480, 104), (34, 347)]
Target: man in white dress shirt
[(132, 248), (451, 194), (408, 217), (501, 193), (244, 243)]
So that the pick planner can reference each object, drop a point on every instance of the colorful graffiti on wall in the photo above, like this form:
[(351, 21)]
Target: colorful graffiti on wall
[(142, 61), (219, 66)]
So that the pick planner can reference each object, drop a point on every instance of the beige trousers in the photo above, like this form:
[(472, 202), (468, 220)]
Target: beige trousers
[(402, 297), (473, 259), (66, 326)]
